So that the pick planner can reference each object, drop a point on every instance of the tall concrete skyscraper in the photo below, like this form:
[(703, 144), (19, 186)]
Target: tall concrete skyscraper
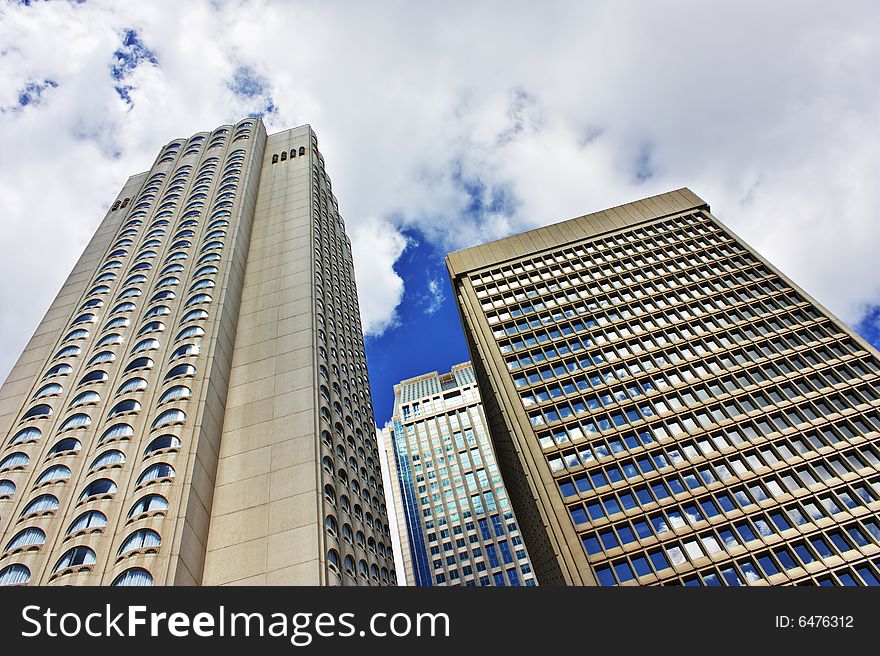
[(455, 521), (194, 407), (668, 408)]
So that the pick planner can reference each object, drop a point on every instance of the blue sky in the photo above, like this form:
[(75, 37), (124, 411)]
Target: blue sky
[(448, 124), (427, 336)]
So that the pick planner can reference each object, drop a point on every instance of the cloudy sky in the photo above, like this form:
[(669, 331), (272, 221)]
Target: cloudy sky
[(451, 124)]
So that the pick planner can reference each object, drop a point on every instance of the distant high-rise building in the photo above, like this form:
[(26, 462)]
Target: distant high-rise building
[(668, 408), (194, 407), (455, 522)]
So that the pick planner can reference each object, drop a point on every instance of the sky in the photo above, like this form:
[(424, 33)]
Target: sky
[(448, 124)]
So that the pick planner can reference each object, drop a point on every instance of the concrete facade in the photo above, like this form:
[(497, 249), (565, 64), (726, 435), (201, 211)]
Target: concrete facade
[(168, 421), (668, 408), (455, 522)]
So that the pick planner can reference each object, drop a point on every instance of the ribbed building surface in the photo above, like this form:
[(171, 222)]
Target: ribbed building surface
[(194, 407), (669, 408), (455, 521)]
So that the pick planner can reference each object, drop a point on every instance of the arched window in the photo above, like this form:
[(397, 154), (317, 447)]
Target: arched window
[(109, 340), (148, 344), (7, 488), (41, 505), (59, 370), (181, 370), (175, 393), (136, 576), (184, 351), (52, 389), (283, 155), (157, 311), (194, 315), (135, 384), (15, 460), (16, 574), (275, 159), (38, 411), (302, 151), (100, 487), (143, 539), (169, 417), (26, 435), (151, 327), (101, 357), (85, 398), (333, 560), (81, 556), (78, 420), (156, 473), (53, 474), (116, 432), (109, 458), (126, 407), (148, 504), (118, 322), (91, 519), (97, 376), (29, 538), (68, 352), (163, 443), (138, 363)]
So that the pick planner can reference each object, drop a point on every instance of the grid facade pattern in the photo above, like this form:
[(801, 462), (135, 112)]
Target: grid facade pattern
[(460, 528), (694, 417)]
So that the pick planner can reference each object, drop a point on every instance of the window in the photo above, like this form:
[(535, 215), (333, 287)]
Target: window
[(15, 575), (143, 539), (132, 385), (26, 435), (187, 350), (52, 389), (180, 371), (126, 407), (91, 519), (97, 376), (28, 538), (98, 488), (85, 398), (7, 488), (156, 473), (53, 474), (43, 504), (148, 344), (147, 504), (78, 420), (116, 432), (38, 411), (59, 370), (77, 557), (169, 417), (175, 393), (107, 459), (138, 363), (101, 357), (163, 443), (15, 460)]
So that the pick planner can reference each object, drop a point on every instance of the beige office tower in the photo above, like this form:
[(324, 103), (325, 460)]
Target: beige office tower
[(454, 518), (194, 407), (668, 408)]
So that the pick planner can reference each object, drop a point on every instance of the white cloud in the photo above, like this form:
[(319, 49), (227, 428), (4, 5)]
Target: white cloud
[(376, 245), (433, 300), (466, 121)]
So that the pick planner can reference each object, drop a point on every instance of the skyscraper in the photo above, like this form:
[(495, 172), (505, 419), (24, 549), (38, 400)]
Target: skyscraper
[(194, 407), (453, 514), (669, 408)]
